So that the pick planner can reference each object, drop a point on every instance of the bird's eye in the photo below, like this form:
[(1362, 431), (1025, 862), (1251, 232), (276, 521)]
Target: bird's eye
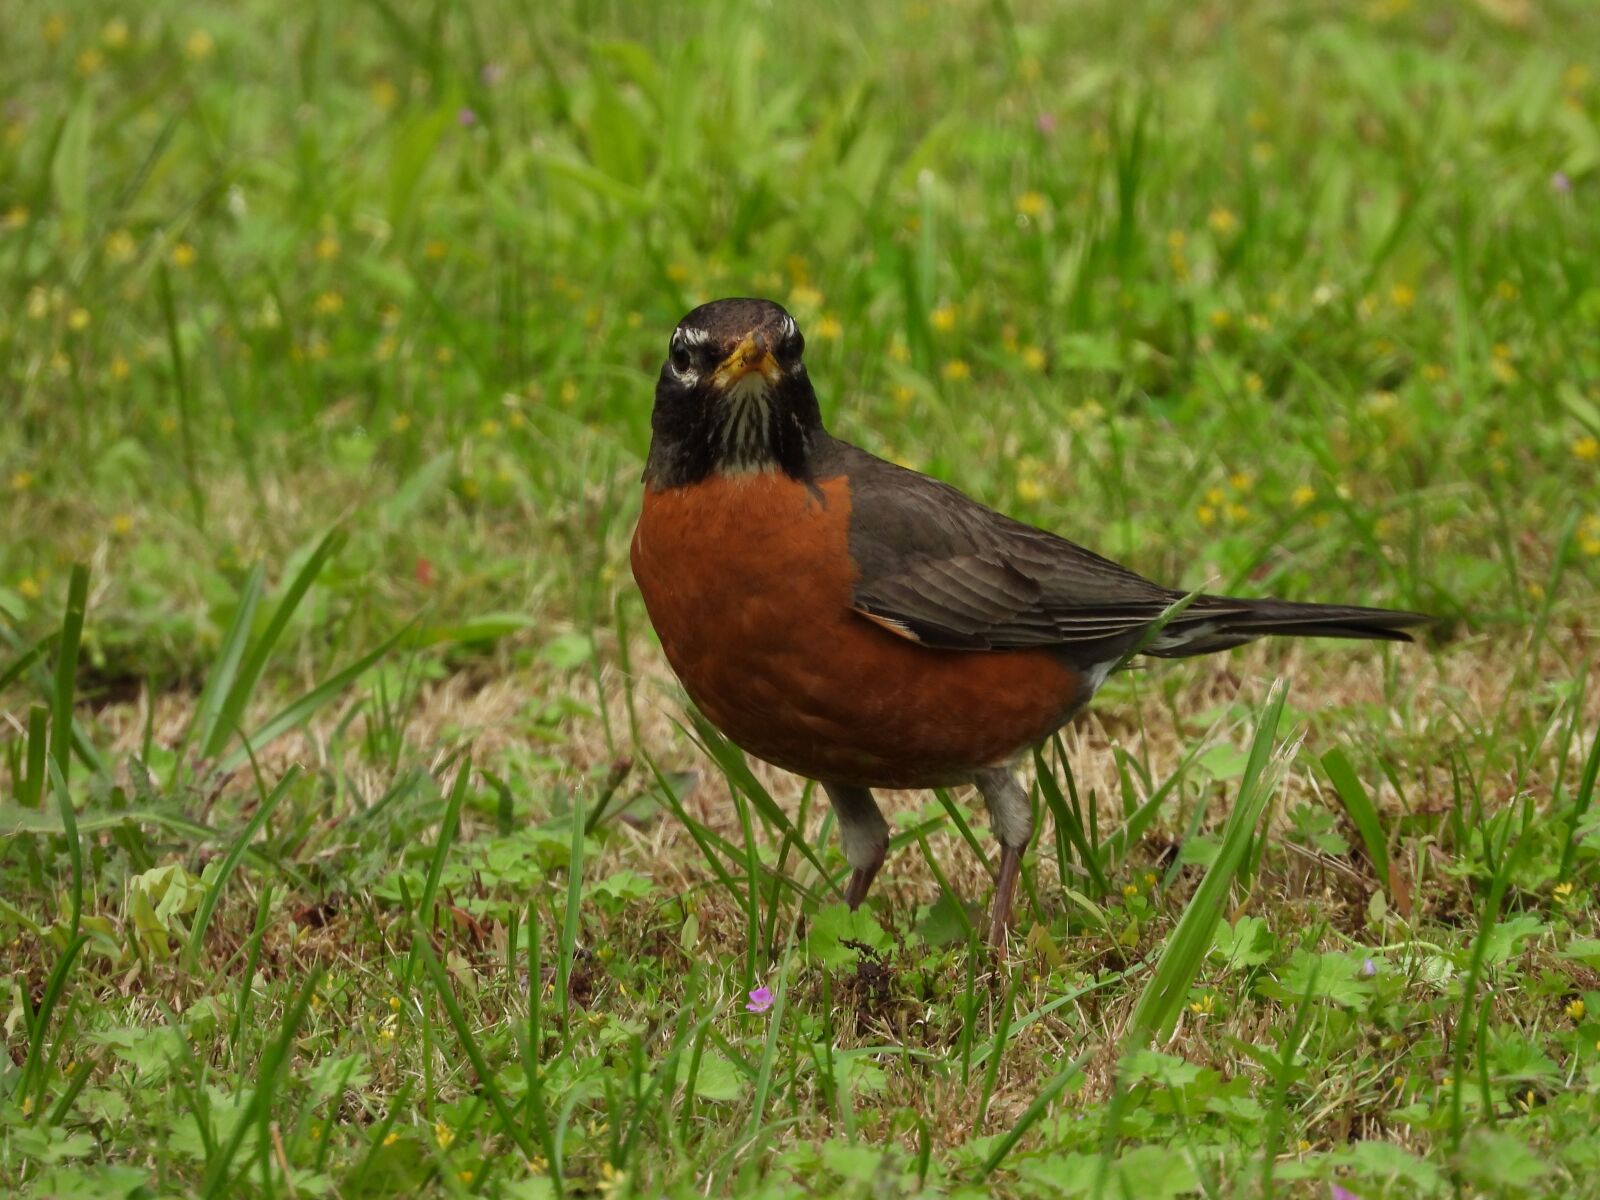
[(681, 358), (794, 345)]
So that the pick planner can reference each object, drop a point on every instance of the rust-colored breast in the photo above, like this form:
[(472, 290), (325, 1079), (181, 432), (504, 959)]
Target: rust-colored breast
[(748, 582)]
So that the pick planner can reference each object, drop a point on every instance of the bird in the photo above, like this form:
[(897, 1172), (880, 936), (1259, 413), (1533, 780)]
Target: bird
[(869, 627)]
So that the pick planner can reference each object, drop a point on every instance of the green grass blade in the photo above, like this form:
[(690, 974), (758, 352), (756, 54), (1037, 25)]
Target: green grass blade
[(67, 671), (241, 688), (1362, 811), (223, 672), (1162, 996), (208, 902), (458, 1021), (302, 709)]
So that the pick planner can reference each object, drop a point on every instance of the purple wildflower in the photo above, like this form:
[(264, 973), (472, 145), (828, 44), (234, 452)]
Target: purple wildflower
[(760, 999), (466, 117), (1368, 968), (1340, 1193), (1045, 123), (491, 74), (1560, 182)]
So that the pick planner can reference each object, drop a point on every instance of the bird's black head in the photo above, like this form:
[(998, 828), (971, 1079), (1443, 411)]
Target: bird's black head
[(733, 396)]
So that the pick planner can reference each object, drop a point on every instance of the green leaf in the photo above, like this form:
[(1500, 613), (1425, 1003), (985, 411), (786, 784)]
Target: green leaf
[(1507, 936), (1498, 1160), (718, 1079), (1585, 950), (835, 927), (1246, 943)]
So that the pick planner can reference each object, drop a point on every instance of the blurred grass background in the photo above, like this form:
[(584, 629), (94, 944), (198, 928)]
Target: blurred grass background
[(1293, 298)]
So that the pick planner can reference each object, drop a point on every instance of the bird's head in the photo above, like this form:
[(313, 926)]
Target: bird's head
[(733, 396)]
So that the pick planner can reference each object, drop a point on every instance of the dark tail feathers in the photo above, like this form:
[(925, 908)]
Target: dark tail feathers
[(1214, 623)]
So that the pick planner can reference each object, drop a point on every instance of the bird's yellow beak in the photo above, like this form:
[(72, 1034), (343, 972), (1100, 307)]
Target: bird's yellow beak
[(750, 356)]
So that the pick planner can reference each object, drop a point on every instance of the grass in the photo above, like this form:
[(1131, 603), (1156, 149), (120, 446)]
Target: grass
[(354, 838)]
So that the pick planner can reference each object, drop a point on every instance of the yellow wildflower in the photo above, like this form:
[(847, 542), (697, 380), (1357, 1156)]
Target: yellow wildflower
[(327, 303), (184, 256), (122, 524), (1303, 495), (489, 428), (1203, 1006), (1176, 239), (1402, 295), (1033, 358), (115, 33), (53, 28), (1507, 290), (78, 320), (1222, 221), (384, 94), (956, 370), (1221, 318), (16, 216), (28, 588), (1434, 373), (434, 249), (805, 298), (21, 481), (1252, 383), (443, 1135), (1205, 514), (327, 248), (943, 318), (1030, 491), (90, 61), (120, 246), (1586, 448), (1032, 204), (827, 327), (119, 368), (898, 351), (198, 46)]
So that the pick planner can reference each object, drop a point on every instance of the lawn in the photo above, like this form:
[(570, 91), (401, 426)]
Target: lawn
[(355, 839)]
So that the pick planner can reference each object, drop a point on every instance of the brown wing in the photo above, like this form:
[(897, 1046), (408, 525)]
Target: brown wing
[(940, 568)]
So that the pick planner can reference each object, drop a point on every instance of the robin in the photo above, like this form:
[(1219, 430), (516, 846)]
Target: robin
[(866, 626)]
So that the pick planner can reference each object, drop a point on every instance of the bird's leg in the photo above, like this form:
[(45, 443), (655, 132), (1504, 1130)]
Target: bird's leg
[(1011, 818), (864, 833)]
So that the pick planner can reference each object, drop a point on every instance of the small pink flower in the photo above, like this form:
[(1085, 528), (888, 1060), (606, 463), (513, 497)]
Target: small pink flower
[(1339, 1193), (467, 117), (1045, 123), (760, 1000), (1560, 182)]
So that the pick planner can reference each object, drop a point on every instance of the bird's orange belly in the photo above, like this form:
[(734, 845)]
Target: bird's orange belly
[(748, 582)]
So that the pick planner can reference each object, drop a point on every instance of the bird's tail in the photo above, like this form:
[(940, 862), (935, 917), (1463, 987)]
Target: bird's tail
[(1214, 623)]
